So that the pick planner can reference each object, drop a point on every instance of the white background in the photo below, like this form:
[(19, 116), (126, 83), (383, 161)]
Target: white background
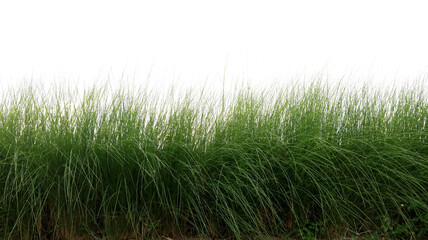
[(189, 42)]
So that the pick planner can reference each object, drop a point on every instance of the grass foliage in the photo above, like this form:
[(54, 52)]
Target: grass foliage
[(304, 161)]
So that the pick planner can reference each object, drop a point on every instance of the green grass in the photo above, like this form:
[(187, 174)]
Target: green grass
[(304, 162)]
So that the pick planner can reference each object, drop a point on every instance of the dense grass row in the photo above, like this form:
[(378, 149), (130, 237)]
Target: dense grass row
[(305, 162)]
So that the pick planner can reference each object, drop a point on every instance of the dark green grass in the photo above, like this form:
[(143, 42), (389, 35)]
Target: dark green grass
[(303, 162)]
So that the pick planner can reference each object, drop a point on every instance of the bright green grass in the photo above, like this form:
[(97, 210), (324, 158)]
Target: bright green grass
[(305, 162)]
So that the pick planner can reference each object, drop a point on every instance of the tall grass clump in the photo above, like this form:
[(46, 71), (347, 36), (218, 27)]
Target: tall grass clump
[(307, 162)]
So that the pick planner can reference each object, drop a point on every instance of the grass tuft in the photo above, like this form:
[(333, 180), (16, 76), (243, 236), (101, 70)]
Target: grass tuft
[(313, 161)]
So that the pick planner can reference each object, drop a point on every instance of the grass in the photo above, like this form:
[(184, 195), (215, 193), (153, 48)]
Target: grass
[(306, 162)]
